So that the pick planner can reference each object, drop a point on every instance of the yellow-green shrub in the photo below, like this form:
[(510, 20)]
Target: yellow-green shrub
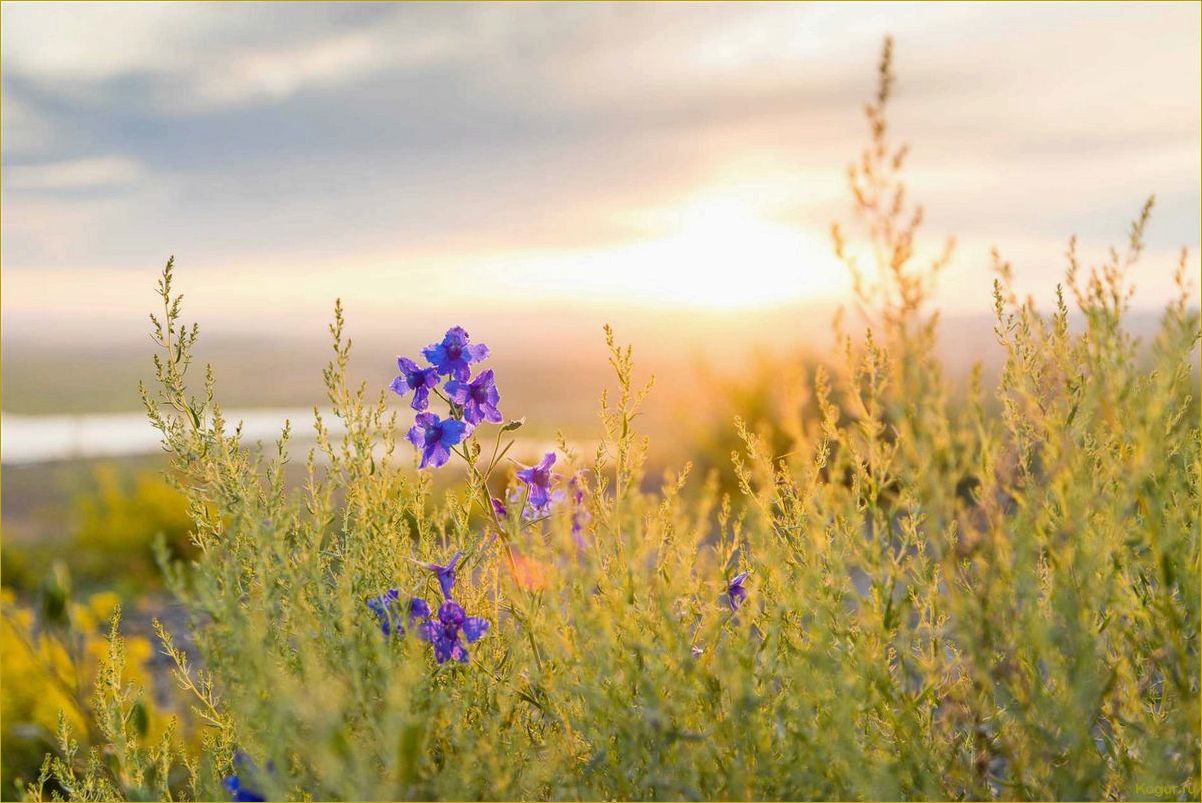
[(50, 665)]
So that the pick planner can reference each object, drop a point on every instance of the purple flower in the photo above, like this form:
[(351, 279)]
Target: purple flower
[(478, 398), (435, 437), (735, 593), (444, 632), (445, 574), (418, 609), (538, 479), (453, 355), (419, 380), (580, 515), (499, 508), (234, 785), (387, 609)]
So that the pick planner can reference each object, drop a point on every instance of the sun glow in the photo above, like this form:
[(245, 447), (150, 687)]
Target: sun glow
[(719, 252), (724, 253)]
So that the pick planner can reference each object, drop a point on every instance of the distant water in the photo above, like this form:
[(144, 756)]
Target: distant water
[(27, 439)]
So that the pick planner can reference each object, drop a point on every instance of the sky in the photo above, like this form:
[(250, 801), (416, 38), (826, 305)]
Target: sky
[(562, 160)]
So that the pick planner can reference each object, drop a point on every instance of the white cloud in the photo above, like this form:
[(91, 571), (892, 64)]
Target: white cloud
[(68, 42), (280, 73)]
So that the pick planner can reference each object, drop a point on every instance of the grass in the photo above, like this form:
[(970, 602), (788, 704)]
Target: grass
[(954, 592)]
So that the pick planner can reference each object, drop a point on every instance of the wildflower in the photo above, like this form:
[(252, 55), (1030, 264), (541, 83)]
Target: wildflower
[(387, 610), (443, 632), (413, 377), (445, 574), (735, 593), (234, 785), (435, 437), (453, 355), (580, 515), (478, 398), (499, 508), (538, 479), (418, 609), (697, 651)]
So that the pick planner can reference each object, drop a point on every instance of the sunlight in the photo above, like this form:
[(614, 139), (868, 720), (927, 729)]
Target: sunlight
[(721, 251), (725, 253)]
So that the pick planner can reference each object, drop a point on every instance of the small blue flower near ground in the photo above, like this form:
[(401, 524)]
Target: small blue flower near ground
[(387, 609), (413, 377), (453, 355), (478, 398), (435, 437), (234, 785), (444, 632), (445, 574), (735, 592), (538, 479)]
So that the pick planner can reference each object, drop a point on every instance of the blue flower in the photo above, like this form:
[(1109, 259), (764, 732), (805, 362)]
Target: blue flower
[(453, 355), (413, 377), (445, 574), (233, 784), (478, 398), (435, 437), (445, 631), (538, 479), (735, 593), (387, 609)]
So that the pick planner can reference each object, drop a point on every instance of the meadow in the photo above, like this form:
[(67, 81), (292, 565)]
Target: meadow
[(870, 580)]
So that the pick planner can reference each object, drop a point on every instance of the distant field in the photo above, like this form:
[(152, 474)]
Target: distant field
[(560, 372)]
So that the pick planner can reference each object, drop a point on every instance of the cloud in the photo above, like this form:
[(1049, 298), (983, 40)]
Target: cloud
[(88, 173), (314, 134)]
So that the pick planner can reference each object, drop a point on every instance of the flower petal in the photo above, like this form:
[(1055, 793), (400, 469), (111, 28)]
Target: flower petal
[(453, 432), (451, 613), (435, 455), (458, 391), (473, 628), (418, 609)]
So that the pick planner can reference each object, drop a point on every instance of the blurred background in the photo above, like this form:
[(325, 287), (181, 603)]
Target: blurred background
[(529, 172)]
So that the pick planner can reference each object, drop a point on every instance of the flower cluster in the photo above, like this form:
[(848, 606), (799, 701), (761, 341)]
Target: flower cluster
[(539, 496), (442, 630), (538, 479), (472, 401)]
